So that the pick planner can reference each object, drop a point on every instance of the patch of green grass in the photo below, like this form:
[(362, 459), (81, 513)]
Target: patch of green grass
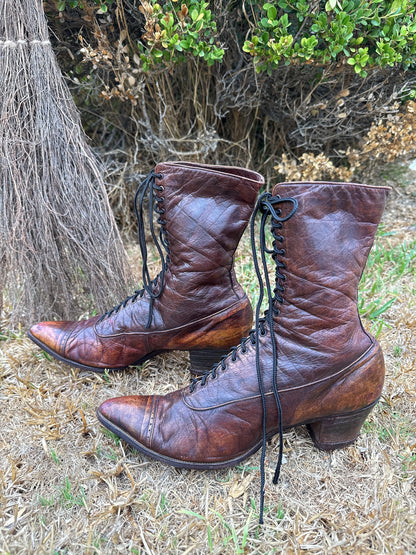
[(46, 502), (396, 172), (233, 537), (247, 468), (55, 457), (280, 512), (378, 289), (238, 541), (10, 334), (67, 498), (163, 504), (106, 453), (398, 351), (105, 376), (401, 428), (111, 435), (408, 463)]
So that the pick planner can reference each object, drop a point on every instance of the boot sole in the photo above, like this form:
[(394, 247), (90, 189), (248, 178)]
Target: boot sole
[(84, 366), (323, 432)]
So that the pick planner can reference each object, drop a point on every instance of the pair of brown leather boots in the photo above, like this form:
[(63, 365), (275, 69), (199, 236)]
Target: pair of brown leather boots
[(308, 360)]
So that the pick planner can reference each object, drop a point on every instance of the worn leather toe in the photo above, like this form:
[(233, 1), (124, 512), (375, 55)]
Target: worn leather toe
[(51, 335), (128, 417)]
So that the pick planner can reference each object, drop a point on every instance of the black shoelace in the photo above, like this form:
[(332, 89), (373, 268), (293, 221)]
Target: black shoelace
[(267, 206), (153, 287)]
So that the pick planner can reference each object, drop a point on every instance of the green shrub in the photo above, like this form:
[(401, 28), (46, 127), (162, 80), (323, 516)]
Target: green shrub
[(364, 34), (238, 83), (173, 30)]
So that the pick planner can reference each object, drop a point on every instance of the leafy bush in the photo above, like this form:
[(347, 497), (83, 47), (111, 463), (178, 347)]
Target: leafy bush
[(238, 82), (365, 34), (173, 31)]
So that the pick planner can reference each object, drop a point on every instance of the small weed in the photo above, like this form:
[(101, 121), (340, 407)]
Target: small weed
[(46, 502), (247, 468), (233, 534), (105, 376), (163, 504), (47, 356), (383, 433), (401, 428), (9, 334), (397, 351), (111, 435), (108, 453), (98, 541), (227, 478), (408, 463), (69, 499), (377, 289), (55, 457)]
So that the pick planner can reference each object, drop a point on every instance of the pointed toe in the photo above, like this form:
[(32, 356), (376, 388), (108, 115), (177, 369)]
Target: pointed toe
[(128, 417), (50, 336)]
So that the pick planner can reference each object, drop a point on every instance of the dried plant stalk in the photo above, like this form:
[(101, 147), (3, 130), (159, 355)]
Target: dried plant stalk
[(60, 244)]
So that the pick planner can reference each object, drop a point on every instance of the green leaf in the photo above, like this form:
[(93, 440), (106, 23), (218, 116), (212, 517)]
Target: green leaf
[(271, 13), (61, 5)]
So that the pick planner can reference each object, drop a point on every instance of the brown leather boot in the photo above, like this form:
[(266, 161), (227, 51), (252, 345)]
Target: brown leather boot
[(317, 366), (195, 303)]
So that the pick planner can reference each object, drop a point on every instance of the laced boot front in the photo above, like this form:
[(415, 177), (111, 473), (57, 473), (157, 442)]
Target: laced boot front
[(195, 303), (308, 360)]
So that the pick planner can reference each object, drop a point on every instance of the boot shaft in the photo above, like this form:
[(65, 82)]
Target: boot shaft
[(207, 209), (326, 246)]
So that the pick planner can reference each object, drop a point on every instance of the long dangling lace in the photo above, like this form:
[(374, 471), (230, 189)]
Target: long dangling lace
[(267, 206), (153, 287)]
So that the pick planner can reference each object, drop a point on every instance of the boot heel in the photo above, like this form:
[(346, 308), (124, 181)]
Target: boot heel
[(204, 360), (336, 432)]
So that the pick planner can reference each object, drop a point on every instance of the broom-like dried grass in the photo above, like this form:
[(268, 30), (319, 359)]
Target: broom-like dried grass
[(59, 241)]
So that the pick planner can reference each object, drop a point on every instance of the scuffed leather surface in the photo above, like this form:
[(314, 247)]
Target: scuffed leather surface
[(327, 363), (202, 306)]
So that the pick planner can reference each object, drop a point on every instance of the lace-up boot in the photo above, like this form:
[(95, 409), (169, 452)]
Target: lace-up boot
[(195, 303), (307, 361)]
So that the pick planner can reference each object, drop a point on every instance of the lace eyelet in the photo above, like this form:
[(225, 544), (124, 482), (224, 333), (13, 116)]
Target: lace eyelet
[(263, 333)]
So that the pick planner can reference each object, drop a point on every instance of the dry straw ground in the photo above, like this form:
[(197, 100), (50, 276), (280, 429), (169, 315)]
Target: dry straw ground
[(67, 486)]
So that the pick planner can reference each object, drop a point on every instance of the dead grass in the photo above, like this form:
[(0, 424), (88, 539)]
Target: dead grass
[(68, 486)]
